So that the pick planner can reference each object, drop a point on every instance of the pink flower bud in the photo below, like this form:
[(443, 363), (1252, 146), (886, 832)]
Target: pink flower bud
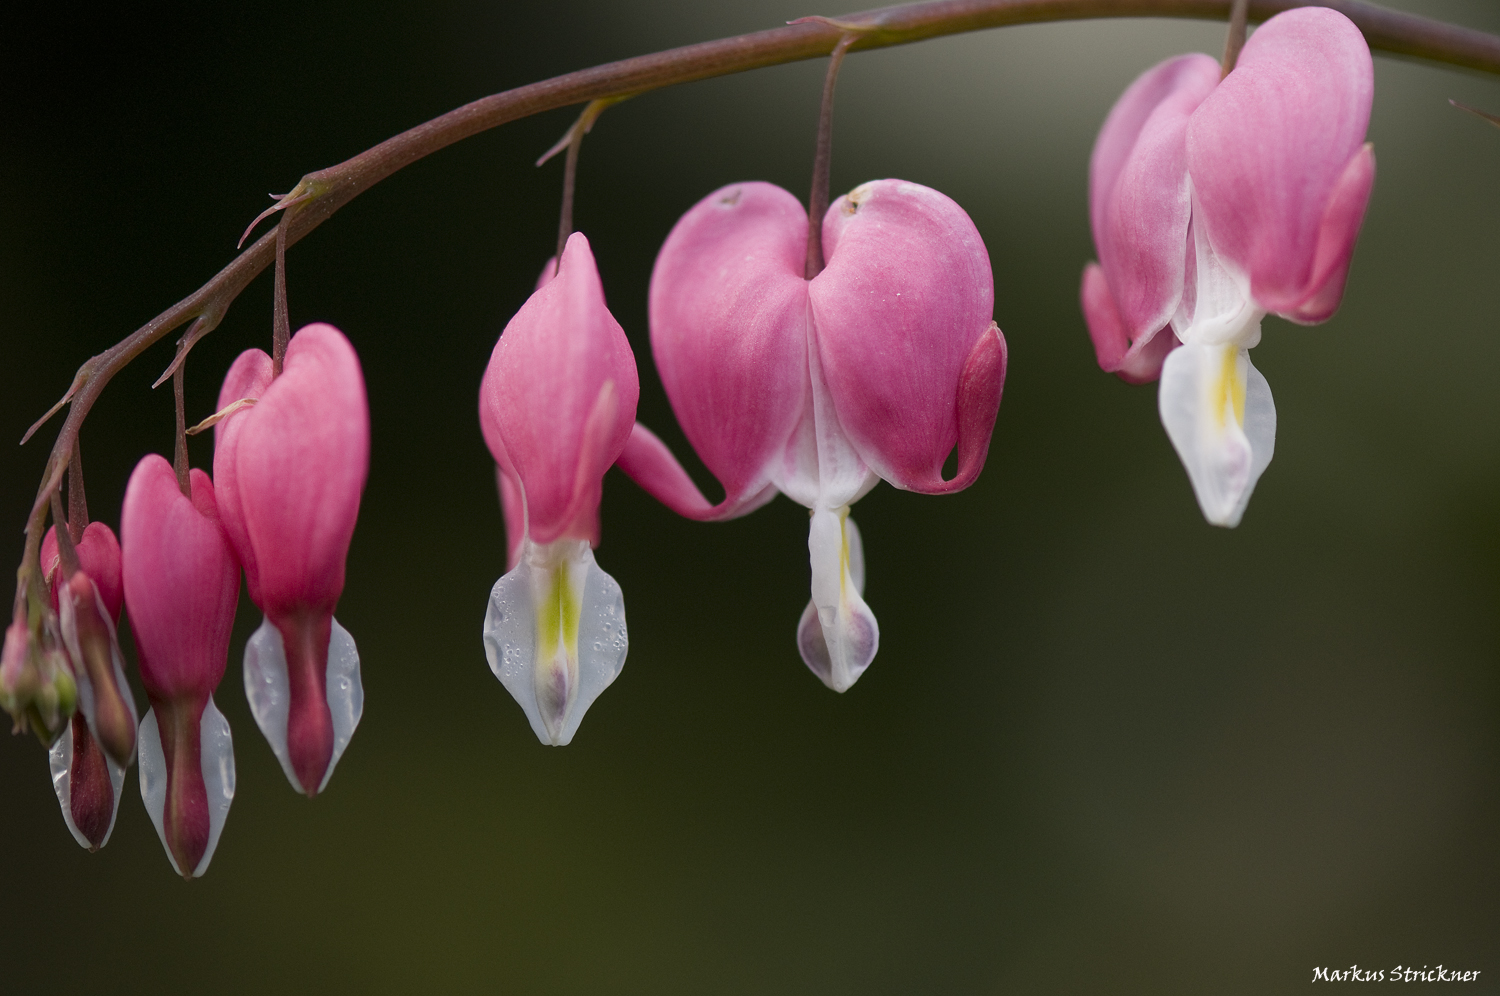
[(289, 471), (1214, 203), (89, 607), (88, 766), (874, 369), (181, 587), (556, 406)]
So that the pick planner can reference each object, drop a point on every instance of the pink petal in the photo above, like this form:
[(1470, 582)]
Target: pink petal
[(545, 381), (98, 557), (300, 457), (181, 582), (729, 311), (647, 461), (1268, 148), (248, 377), (905, 298), (1336, 236), (1139, 199)]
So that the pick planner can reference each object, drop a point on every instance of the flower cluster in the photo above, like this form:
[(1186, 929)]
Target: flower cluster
[(873, 369), (806, 356), (290, 461)]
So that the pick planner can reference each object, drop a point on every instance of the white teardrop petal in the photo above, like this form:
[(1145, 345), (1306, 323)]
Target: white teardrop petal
[(268, 689), (1218, 412), (151, 763), (556, 679), (218, 775), (837, 635), (60, 762)]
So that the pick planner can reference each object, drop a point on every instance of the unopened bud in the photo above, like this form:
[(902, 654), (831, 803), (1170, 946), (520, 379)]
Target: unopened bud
[(104, 694), (56, 694), (18, 677)]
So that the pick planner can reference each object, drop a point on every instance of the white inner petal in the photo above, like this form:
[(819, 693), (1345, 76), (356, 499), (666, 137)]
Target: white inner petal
[(555, 635), (820, 467), (837, 635), (267, 686), (1218, 412)]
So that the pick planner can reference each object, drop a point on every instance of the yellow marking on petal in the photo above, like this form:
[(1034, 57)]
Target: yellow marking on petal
[(1229, 390), (558, 614)]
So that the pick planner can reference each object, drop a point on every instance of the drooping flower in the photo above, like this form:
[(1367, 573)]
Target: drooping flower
[(556, 406), (874, 369), (1214, 203), (182, 583), (88, 765), (289, 471)]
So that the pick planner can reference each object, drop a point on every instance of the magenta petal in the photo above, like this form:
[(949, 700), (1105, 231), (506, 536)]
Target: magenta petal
[(1139, 196), (1268, 148), (300, 456), (729, 313), (98, 557), (1111, 342), (907, 294), (248, 377), (1336, 236), (647, 461), (181, 582), (979, 389), (559, 397)]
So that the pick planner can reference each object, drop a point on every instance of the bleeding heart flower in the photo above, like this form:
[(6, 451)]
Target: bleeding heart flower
[(182, 583), (556, 405), (1214, 203), (86, 778), (289, 471), (874, 369)]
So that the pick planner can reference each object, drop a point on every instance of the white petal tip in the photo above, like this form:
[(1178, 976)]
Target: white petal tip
[(556, 686)]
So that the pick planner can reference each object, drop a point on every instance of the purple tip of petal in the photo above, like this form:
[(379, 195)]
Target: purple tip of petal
[(1269, 152)]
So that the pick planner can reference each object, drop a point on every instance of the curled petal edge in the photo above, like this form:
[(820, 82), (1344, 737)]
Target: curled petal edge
[(980, 386), (1137, 362), (1337, 234), (648, 462)]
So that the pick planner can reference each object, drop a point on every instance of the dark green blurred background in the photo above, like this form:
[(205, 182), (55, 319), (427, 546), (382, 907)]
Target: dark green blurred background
[(1105, 747)]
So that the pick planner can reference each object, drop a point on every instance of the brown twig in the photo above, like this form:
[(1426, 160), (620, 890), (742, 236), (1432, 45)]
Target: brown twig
[(817, 197), (1234, 39)]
